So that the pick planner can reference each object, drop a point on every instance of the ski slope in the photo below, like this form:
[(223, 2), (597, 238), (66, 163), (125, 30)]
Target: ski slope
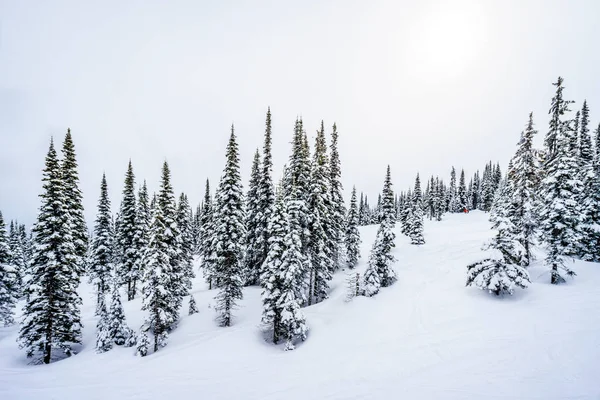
[(426, 337)]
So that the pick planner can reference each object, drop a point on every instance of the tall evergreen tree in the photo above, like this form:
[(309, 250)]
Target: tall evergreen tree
[(451, 195), (388, 213), (559, 214), (100, 265), (8, 293), (266, 191), (73, 201), (462, 192), (338, 209), (524, 180), (320, 239), (51, 317), (171, 236), (415, 216), (589, 198), (17, 259), (186, 243), (206, 236), (352, 235), (126, 233), (254, 234), (229, 235), (103, 339), (158, 296), (143, 220)]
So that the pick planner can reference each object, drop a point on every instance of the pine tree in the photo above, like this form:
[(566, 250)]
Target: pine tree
[(462, 192), (353, 286), (476, 192), (451, 195), (266, 192), (103, 333), (500, 273), (379, 272), (206, 237), (119, 331), (171, 236), (388, 213), (186, 243), (352, 235), (559, 214), (193, 308), (320, 239), (143, 344), (126, 236), (271, 276), (487, 189), (143, 219), (196, 224), (73, 201), (229, 235), (8, 294), (158, 296), (415, 218), (589, 198), (362, 217), (51, 317), (100, 265), (17, 259), (254, 234), (338, 209), (524, 180)]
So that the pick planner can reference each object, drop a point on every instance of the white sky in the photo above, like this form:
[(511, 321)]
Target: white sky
[(419, 85)]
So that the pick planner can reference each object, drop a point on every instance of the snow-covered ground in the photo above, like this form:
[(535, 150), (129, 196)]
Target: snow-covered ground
[(426, 337)]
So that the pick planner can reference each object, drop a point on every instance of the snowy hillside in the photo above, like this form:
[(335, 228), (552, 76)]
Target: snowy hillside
[(426, 337)]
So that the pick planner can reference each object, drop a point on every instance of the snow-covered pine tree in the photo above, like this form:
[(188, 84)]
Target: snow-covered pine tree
[(524, 181), (476, 192), (415, 217), (462, 192), (451, 195), (353, 285), (439, 199), (206, 238), (559, 213), (254, 237), (186, 243), (379, 272), (500, 273), (487, 189), (100, 265), (589, 198), (51, 316), (229, 235), (171, 237), (338, 209), (196, 224), (143, 220), (361, 210), (8, 294), (158, 296), (292, 277), (193, 308), (496, 177), (126, 233), (271, 276), (120, 333), (387, 200), (352, 235), (73, 201), (266, 191), (320, 240), (17, 258), (103, 335), (143, 343)]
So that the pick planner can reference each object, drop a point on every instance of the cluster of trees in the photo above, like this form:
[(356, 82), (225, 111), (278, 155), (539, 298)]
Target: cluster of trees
[(550, 195), (288, 238)]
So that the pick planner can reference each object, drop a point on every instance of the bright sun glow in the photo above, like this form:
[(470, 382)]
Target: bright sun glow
[(447, 41)]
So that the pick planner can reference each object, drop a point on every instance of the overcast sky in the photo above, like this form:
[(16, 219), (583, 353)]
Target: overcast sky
[(419, 85)]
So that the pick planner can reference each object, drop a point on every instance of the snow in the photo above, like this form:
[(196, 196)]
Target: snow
[(425, 337)]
